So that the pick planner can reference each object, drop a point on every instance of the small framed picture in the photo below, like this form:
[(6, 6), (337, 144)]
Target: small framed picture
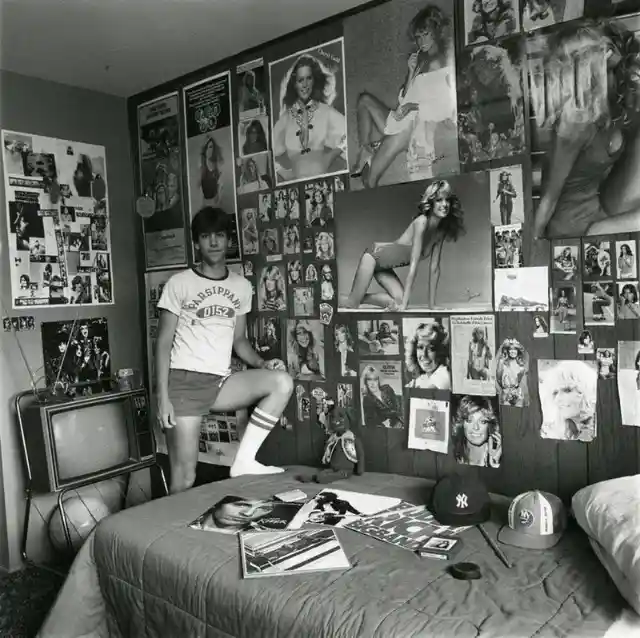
[(442, 543)]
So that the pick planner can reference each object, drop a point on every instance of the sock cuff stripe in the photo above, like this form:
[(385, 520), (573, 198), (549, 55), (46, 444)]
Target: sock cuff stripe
[(266, 417), (261, 424)]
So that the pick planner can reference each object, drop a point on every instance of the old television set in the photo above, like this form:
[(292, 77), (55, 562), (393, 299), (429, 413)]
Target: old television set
[(68, 443)]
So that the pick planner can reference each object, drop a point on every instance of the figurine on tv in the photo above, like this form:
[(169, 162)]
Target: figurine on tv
[(343, 452)]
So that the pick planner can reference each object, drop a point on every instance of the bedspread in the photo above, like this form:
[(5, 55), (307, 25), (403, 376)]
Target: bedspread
[(145, 573)]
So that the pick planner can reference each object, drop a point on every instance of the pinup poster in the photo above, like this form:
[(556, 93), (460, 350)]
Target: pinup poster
[(629, 381), (401, 93), (427, 359), (507, 195), (627, 252), (308, 121), (537, 14), (508, 246), (568, 394), (565, 261), (305, 349), (490, 102), (57, 207), (597, 195), (428, 425), (210, 152), (378, 337), (563, 313), (490, 19), (473, 354), (266, 339), (598, 299), (463, 285), (252, 89), (160, 148), (606, 360), (381, 394), (512, 374), (77, 351), (522, 289), (476, 435)]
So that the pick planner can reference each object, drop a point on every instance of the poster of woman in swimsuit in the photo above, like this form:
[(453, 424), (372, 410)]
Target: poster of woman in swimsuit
[(209, 150), (401, 94), (308, 123), (584, 136), (445, 219)]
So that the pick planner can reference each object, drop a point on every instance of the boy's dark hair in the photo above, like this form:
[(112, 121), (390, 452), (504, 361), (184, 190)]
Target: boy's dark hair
[(210, 220)]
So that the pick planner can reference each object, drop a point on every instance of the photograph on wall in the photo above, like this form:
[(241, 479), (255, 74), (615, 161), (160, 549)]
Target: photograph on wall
[(266, 211), (568, 394), (248, 217), (325, 246), (508, 246), (381, 394), (427, 361), (629, 381), (210, 151), (473, 354), (344, 344), (486, 20), (57, 208), (522, 289), (253, 136), (345, 395), (428, 425), (627, 252), (374, 230), (291, 236), (512, 374), (77, 352), (252, 89), (627, 302), (606, 360), (286, 204), (593, 190), (294, 272), (318, 201), (540, 326), (265, 334), (596, 258), (476, 435), (565, 262), (585, 343), (563, 313), (253, 173), (507, 195), (305, 349), (401, 94), (599, 308), (537, 14), (327, 282), (272, 290), (490, 102), (303, 301), (270, 244), (160, 148), (378, 337), (308, 120)]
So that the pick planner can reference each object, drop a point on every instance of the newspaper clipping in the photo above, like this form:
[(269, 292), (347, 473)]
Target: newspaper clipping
[(473, 348), (381, 393)]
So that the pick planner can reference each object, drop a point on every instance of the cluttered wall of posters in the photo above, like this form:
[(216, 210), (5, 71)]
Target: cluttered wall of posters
[(161, 179), (210, 152), (58, 221)]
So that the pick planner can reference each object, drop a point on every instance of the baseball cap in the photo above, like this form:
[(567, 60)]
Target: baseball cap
[(537, 520), (460, 500)]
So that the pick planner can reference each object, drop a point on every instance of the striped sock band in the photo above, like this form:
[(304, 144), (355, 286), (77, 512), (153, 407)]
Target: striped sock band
[(263, 420)]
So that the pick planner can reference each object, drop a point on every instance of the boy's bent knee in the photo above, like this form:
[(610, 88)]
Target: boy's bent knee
[(282, 382)]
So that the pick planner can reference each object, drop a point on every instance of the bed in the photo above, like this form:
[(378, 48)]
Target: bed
[(144, 572)]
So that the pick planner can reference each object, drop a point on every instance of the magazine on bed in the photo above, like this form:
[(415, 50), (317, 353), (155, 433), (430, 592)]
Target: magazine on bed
[(291, 552), (337, 507), (409, 528), (233, 514)]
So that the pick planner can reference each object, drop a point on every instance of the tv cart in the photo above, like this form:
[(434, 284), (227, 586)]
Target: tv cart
[(18, 401)]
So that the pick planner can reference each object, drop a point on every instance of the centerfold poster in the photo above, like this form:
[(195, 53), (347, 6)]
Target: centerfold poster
[(210, 151), (57, 207), (161, 179)]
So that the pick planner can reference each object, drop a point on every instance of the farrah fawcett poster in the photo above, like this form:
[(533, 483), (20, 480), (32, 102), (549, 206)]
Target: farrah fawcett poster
[(375, 231)]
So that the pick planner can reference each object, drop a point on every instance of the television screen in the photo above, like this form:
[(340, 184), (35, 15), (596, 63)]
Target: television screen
[(90, 439)]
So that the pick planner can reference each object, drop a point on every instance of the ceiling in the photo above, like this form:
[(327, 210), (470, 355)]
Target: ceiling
[(123, 47)]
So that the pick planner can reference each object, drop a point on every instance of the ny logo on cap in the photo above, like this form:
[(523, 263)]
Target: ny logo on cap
[(462, 501)]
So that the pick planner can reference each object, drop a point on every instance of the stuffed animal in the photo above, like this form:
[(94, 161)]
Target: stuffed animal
[(343, 452)]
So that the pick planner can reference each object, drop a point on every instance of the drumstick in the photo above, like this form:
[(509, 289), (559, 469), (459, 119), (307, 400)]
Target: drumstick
[(497, 551)]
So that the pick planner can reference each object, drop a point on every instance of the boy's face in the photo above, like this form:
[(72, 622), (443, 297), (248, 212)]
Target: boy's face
[(213, 247)]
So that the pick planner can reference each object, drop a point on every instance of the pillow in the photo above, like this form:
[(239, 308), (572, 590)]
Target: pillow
[(609, 512)]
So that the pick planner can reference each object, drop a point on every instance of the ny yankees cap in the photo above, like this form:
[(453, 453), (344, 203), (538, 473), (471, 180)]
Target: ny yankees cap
[(536, 520), (459, 500)]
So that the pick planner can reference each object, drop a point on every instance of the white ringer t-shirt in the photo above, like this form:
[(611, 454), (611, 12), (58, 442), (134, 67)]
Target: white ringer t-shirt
[(206, 309)]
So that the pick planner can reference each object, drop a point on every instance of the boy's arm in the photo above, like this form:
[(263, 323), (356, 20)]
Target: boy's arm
[(164, 343)]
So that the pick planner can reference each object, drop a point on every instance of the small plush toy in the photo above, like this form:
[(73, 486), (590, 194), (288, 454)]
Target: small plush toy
[(343, 452)]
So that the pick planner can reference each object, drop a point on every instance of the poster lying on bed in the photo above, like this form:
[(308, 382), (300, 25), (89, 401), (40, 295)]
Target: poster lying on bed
[(57, 207), (401, 93), (160, 150), (210, 151), (308, 123), (375, 257)]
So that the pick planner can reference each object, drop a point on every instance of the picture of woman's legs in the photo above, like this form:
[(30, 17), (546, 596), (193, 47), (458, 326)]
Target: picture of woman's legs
[(372, 117), (391, 147), (388, 280)]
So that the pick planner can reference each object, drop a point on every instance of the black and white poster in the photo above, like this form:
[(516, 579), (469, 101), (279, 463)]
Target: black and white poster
[(309, 126), (272, 290), (564, 309), (160, 148), (381, 393), (537, 14), (473, 354), (512, 374), (401, 94), (378, 337), (521, 289), (627, 264), (427, 359), (486, 20), (606, 359), (428, 425), (252, 89), (266, 337), (345, 346), (306, 349), (210, 150), (507, 195)]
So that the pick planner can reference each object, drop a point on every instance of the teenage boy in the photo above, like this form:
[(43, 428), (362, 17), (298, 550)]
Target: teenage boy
[(202, 318)]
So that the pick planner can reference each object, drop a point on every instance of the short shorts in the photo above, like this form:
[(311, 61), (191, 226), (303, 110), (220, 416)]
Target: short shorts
[(193, 393)]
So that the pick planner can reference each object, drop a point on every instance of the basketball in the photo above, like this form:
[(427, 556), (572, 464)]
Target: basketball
[(83, 514)]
